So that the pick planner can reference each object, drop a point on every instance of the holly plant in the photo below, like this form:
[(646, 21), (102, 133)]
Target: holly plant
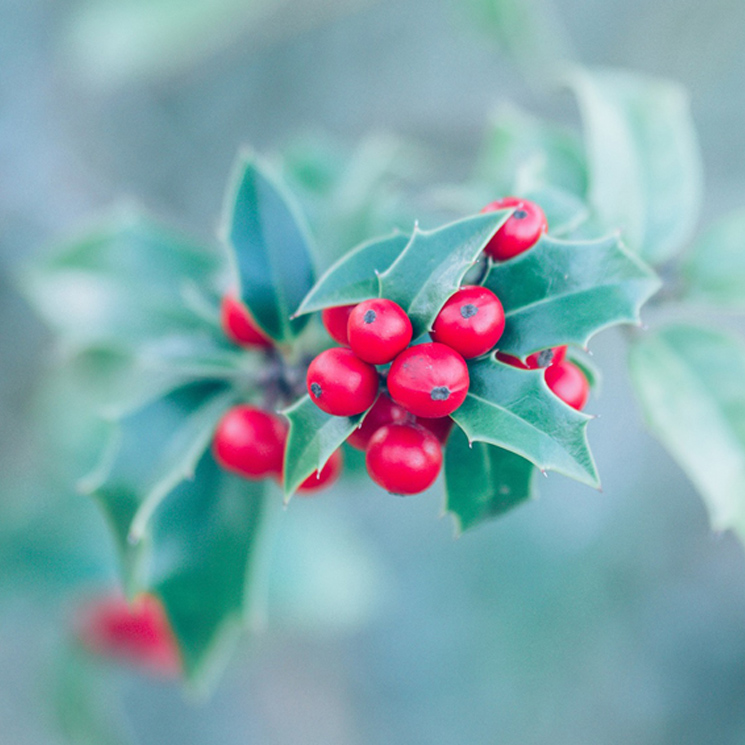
[(237, 380)]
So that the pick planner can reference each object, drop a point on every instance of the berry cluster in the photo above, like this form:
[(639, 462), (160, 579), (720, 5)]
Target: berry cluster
[(408, 422)]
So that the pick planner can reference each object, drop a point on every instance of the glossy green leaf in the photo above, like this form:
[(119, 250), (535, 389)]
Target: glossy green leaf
[(205, 548), (643, 155), (562, 292), (432, 265), (519, 143), (151, 451), (714, 270), (314, 436), (123, 284), (270, 249), (354, 277), (515, 410), (483, 481), (689, 381)]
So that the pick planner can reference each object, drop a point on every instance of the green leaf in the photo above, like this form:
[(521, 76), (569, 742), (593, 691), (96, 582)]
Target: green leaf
[(645, 165), (354, 277), (515, 410), (714, 271), (205, 547), (432, 265), (269, 248), (689, 381), (563, 292), (519, 143), (483, 481), (116, 382), (151, 451), (314, 436), (122, 284)]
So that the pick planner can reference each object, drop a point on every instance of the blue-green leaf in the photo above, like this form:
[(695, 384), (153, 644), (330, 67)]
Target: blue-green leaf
[(714, 271), (515, 410), (270, 249), (564, 292), (432, 265), (643, 155), (205, 547), (314, 436), (354, 277), (689, 381), (483, 481)]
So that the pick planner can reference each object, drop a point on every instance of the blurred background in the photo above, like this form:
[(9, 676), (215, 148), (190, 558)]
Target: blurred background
[(580, 618)]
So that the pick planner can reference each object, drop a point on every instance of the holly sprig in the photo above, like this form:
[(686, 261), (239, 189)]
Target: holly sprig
[(137, 308)]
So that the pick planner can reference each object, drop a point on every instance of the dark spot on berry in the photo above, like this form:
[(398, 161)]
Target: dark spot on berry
[(316, 390), (440, 393), (519, 214), (545, 357), (369, 316), (468, 311)]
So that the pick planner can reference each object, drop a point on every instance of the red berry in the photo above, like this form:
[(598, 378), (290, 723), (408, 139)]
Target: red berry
[(335, 322), (325, 477), (521, 231), (569, 383), (535, 361), (238, 325), (439, 427), (403, 458), (342, 384), (470, 322), (383, 412), (138, 633), (250, 442), (378, 330), (429, 380)]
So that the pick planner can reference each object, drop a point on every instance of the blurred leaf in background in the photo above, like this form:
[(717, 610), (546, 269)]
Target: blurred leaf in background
[(112, 42)]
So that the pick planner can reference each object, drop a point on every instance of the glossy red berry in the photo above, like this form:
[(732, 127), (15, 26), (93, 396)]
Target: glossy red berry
[(378, 330), (384, 411), (137, 633), (470, 322), (340, 383), (439, 427), (250, 442), (403, 458), (323, 478), (521, 231), (569, 383), (239, 326), (429, 380), (535, 361), (335, 322)]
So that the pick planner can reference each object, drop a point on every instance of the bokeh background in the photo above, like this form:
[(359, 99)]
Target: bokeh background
[(580, 618)]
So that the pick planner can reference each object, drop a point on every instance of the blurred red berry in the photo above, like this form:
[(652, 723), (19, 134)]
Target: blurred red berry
[(239, 326), (335, 322), (383, 412), (250, 442), (137, 633), (325, 477)]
